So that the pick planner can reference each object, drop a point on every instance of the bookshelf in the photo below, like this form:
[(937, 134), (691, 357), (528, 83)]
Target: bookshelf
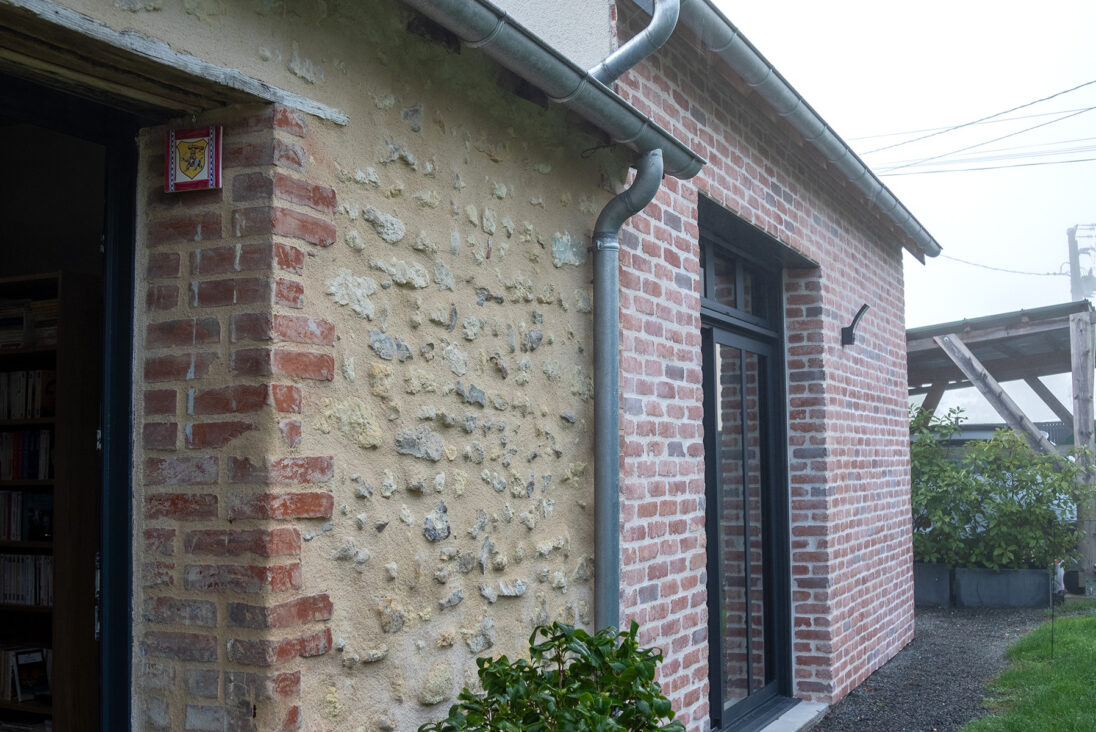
[(50, 349)]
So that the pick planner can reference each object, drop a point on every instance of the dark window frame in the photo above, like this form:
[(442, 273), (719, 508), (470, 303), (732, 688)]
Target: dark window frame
[(733, 326)]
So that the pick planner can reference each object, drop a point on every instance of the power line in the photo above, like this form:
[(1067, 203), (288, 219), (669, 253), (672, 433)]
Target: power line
[(944, 129), (988, 167), (986, 142), (1002, 269), (982, 119)]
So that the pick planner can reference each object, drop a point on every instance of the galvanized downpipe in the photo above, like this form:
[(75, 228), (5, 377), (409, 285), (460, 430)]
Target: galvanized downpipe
[(607, 384), (642, 45)]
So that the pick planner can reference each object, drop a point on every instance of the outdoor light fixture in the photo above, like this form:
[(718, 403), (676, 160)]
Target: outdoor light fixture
[(848, 333)]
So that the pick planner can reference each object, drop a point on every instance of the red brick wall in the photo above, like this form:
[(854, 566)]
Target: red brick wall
[(848, 448), (228, 339)]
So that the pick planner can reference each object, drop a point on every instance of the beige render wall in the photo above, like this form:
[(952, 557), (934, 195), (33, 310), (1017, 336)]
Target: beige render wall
[(459, 414)]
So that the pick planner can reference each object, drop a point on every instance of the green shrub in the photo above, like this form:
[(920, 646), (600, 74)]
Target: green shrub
[(573, 681), (998, 504)]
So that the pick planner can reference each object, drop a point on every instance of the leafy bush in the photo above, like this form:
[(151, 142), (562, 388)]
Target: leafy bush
[(573, 681), (997, 505)]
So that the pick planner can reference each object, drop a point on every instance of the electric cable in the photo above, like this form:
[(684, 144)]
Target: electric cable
[(945, 129), (982, 119), (986, 142), (1003, 269), (988, 167)]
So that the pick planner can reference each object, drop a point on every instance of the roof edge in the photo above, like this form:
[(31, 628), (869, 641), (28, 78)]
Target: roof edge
[(722, 38)]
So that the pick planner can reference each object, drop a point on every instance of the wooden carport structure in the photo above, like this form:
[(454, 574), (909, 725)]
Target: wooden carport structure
[(1024, 345)]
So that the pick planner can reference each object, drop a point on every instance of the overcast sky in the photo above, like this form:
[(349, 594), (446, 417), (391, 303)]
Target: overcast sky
[(882, 73)]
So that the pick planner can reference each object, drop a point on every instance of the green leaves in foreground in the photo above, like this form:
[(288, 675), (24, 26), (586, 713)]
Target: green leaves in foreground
[(573, 681), (1047, 694)]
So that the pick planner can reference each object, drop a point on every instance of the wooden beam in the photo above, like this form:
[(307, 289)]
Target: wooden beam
[(927, 343), (1049, 399), (1014, 417), (932, 399), (1080, 347)]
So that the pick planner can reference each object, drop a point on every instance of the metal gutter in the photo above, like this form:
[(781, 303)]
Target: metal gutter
[(481, 24), (722, 38)]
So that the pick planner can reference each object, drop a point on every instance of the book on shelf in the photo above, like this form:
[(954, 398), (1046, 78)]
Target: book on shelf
[(26, 516), (28, 394), (27, 323), (26, 579), (26, 454), (31, 679)]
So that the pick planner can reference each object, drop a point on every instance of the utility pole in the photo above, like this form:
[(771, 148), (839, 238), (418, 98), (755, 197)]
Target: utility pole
[(1076, 292)]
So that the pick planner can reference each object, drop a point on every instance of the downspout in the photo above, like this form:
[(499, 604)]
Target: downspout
[(481, 24), (641, 45), (607, 384)]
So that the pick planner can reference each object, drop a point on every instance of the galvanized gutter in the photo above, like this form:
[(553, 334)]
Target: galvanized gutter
[(481, 24), (719, 36)]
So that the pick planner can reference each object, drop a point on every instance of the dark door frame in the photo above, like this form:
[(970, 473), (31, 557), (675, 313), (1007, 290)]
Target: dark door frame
[(117, 132), (724, 326)]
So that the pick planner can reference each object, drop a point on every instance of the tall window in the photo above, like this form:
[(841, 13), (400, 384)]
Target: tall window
[(746, 486)]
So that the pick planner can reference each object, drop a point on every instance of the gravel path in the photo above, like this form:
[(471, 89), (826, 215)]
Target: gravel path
[(937, 682)]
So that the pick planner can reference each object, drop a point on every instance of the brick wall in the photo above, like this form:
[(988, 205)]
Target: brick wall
[(227, 342), (851, 584)]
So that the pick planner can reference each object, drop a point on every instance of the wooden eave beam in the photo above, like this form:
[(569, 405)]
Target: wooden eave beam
[(928, 343)]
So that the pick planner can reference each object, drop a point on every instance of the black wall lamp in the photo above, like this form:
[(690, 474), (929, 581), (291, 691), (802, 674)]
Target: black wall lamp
[(848, 333)]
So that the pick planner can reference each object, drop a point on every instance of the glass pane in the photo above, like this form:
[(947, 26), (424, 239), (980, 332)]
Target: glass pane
[(754, 293), (735, 624), (741, 388), (723, 280), (754, 481)]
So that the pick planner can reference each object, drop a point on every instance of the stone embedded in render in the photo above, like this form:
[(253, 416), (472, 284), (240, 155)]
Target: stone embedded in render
[(389, 348), (489, 221), (514, 588), (437, 686), (351, 418), (472, 394), (532, 340), (455, 358), (487, 548), (480, 525), (567, 249), (483, 637), (388, 227), (353, 292), (453, 600), (436, 524), (406, 275), (443, 276), (375, 654), (489, 593), (392, 617), (420, 442)]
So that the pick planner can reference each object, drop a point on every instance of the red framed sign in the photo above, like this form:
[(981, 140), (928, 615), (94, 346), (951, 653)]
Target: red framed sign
[(192, 159)]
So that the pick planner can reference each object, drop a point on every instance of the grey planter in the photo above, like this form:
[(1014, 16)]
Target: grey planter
[(1001, 588), (931, 585)]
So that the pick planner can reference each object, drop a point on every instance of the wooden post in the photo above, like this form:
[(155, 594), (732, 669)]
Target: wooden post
[(1081, 356), (973, 369), (1049, 399)]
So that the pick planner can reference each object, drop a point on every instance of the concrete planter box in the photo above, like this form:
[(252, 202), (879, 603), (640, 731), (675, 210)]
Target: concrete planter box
[(931, 585), (1002, 588)]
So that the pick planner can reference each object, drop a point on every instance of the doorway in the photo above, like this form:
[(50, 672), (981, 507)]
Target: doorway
[(67, 258), (746, 488)]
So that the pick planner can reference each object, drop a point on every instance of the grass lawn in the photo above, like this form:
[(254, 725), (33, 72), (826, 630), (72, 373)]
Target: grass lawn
[(1037, 693)]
